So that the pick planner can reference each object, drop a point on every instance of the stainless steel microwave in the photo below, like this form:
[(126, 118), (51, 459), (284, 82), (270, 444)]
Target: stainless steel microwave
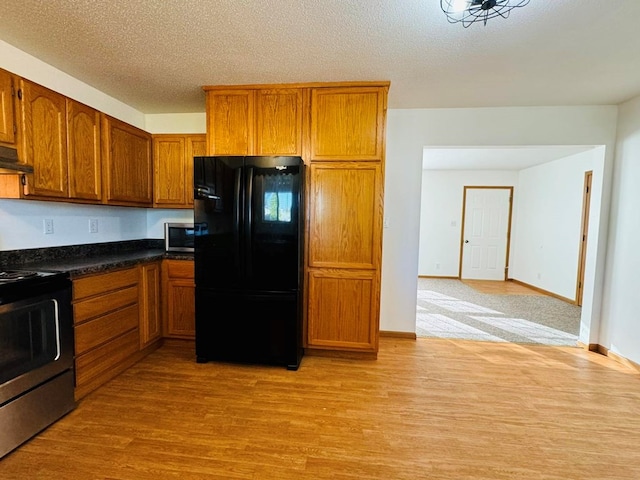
[(178, 237)]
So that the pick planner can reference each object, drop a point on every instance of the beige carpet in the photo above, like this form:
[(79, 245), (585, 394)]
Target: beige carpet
[(449, 308)]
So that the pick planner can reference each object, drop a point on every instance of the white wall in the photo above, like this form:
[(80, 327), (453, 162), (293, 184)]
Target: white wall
[(156, 219), (22, 224), (441, 215), (546, 240), (410, 131), (176, 123), (620, 328)]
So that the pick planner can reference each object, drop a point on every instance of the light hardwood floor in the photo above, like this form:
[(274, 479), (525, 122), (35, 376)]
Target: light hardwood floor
[(425, 409), (493, 287)]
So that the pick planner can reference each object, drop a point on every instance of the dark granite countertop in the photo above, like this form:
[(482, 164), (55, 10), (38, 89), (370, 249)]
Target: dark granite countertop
[(78, 260)]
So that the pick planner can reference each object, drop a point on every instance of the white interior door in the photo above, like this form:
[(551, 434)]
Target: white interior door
[(485, 232)]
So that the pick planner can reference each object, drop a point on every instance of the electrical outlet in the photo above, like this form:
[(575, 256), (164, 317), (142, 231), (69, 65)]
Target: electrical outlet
[(48, 226), (93, 225), (437, 266)]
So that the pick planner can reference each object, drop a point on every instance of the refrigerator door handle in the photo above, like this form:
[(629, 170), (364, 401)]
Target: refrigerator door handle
[(248, 231), (204, 192), (237, 212)]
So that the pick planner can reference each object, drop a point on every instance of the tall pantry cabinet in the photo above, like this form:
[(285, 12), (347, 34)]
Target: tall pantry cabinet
[(344, 211), (339, 130)]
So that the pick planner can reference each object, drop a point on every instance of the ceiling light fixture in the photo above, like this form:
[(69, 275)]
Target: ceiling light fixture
[(471, 11)]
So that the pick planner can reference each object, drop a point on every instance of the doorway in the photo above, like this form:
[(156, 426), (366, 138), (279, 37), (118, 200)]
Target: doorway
[(541, 235)]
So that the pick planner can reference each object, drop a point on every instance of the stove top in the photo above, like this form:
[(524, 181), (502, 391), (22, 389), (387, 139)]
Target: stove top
[(14, 275), (10, 276), (17, 285)]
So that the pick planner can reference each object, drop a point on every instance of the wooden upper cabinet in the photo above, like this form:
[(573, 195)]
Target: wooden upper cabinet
[(345, 215), (230, 122), (196, 146), (255, 121), (7, 112), (278, 122), (173, 168), (126, 163), (169, 171), (44, 143), (347, 123), (83, 131)]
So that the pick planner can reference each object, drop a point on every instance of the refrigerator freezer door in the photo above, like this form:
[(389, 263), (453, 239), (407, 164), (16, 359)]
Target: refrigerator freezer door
[(235, 327), (218, 207)]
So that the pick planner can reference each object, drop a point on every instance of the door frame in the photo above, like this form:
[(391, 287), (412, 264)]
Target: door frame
[(464, 206), (584, 235)]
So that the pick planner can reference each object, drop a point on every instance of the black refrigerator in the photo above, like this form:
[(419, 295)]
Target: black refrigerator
[(248, 225)]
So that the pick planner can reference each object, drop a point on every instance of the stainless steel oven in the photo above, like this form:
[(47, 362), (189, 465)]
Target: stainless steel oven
[(36, 354)]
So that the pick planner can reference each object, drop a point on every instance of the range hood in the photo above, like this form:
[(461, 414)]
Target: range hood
[(9, 162)]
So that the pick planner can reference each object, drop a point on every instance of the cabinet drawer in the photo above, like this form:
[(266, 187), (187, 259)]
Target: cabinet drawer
[(180, 269), (109, 302), (101, 362), (98, 284), (105, 328)]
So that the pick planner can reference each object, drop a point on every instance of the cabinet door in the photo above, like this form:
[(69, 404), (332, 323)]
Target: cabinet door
[(181, 308), (230, 122), (85, 166), (44, 140), (150, 322), (343, 310), (347, 123), (169, 172), (345, 215), (173, 168), (7, 116), (279, 122), (178, 293), (196, 147), (127, 167)]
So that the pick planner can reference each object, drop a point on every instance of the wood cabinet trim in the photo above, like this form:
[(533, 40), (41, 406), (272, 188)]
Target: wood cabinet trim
[(260, 86)]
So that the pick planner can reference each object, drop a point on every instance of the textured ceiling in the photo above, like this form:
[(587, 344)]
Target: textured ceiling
[(155, 55)]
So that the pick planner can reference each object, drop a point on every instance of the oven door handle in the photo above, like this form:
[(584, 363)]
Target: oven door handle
[(55, 303)]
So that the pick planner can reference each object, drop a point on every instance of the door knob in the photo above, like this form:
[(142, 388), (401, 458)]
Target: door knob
[(466, 241)]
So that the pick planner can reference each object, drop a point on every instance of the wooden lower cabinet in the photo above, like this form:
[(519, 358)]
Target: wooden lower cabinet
[(149, 302), (344, 248), (342, 310), (178, 287), (108, 309)]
